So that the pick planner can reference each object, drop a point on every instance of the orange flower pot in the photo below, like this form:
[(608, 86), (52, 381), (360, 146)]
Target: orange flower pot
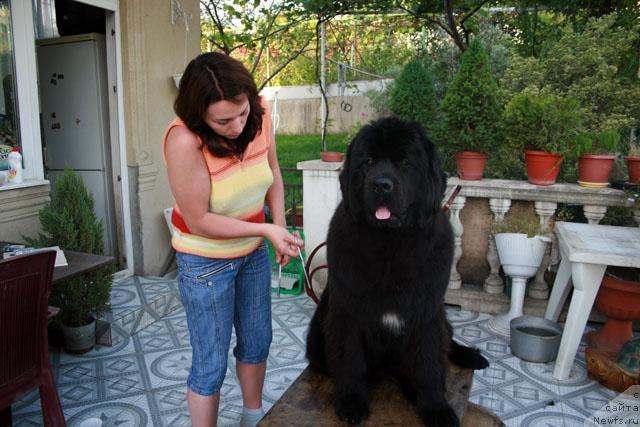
[(619, 300), (470, 165), (594, 170), (331, 156), (542, 167), (633, 166)]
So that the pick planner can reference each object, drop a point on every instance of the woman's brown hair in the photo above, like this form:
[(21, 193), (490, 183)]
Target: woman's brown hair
[(213, 77)]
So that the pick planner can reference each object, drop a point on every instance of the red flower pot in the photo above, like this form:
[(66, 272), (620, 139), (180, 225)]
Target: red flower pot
[(594, 170), (331, 156), (619, 300), (470, 165), (542, 167), (633, 166)]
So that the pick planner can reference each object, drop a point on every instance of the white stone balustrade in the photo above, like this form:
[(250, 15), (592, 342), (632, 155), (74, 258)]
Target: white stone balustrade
[(321, 195)]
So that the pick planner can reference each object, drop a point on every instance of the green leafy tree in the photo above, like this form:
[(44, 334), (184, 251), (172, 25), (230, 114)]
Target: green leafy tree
[(591, 66), (471, 108), (413, 96), (249, 29), (69, 222)]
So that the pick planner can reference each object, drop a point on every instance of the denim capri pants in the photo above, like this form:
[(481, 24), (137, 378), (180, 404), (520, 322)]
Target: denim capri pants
[(218, 294)]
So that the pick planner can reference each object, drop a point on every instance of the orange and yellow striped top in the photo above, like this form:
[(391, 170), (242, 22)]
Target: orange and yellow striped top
[(238, 190)]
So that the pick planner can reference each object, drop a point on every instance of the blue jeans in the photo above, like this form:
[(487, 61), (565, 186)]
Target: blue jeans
[(218, 294)]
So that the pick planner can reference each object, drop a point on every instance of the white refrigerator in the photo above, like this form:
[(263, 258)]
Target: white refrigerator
[(74, 104)]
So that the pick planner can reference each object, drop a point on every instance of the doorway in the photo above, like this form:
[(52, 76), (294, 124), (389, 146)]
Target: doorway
[(81, 108)]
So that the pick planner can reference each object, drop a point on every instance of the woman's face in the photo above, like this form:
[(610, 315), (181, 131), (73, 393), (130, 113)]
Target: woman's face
[(227, 118)]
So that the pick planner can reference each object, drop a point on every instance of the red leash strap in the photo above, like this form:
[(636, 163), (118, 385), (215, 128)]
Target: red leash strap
[(452, 197)]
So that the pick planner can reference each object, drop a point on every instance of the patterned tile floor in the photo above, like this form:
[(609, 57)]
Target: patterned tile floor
[(140, 381)]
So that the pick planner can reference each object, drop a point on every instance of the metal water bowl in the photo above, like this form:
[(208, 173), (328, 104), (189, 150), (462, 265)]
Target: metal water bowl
[(535, 339)]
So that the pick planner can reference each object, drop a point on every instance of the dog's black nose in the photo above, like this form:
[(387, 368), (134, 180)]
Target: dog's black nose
[(382, 185)]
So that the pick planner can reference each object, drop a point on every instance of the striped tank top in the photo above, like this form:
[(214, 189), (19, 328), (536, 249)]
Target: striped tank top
[(238, 190)]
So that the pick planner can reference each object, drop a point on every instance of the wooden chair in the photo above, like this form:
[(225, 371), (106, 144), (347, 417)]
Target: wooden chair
[(25, 283)]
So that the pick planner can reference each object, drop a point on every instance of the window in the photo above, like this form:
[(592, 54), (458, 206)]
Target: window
[(9, 126), (19, 109)]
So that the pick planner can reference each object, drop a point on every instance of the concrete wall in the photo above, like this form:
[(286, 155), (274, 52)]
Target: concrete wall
[(298, 107), (153, 50)]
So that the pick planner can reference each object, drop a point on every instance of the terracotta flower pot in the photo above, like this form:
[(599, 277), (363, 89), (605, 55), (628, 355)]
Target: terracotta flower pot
[(542, 167), (594, 170), (633, 166), (619, 300), (331, 156), (470, 165)]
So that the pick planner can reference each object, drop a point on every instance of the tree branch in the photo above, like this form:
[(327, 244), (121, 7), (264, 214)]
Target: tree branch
[(217, 21), (474, 10), (448, 10), (282, 66)]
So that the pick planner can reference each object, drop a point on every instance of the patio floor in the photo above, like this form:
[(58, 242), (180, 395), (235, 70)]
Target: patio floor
[(141, 380)]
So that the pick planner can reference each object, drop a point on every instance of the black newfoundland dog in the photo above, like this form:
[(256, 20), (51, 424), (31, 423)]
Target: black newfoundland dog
[(389, 252)]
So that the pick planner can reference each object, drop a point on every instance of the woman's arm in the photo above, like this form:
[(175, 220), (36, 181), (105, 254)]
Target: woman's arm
[(191, 185), (275, 201)]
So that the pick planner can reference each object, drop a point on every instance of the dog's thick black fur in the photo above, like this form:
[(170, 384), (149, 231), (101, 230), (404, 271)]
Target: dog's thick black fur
[(389, 253)]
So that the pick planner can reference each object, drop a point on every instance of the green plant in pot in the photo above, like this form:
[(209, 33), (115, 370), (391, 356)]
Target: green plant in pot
[(69, 222), (472, 111), (521, 243), (597, 154), (545, 127), (413, 96)]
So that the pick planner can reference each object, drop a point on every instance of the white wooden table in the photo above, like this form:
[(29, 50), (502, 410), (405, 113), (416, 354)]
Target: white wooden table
[(586, 251)]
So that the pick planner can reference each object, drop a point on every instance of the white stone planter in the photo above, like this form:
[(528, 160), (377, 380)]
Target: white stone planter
[(520, 257)]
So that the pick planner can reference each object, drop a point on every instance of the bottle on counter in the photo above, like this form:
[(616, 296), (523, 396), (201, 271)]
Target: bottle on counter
[(15, 166)]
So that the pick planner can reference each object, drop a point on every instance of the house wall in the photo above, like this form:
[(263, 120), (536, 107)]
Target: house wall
[(153, 50), (19, 208)]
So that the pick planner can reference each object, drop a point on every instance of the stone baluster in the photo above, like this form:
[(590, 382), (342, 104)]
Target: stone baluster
[(455, 282), (539, 289), (494, 284), (594, 213)]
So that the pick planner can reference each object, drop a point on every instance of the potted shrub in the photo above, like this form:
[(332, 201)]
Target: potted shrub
[(413, 96), (521, 243), (633, 163), (597, 154), (69, 222), (472, 111), (544, 126)]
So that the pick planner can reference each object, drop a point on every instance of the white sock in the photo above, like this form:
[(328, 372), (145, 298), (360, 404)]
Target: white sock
[(250, 417)]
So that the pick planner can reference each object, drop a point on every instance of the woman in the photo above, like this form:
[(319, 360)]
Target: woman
[(222, 165)]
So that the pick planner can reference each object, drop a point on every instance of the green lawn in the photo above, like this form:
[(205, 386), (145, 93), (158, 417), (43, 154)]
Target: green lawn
[(295, 148)]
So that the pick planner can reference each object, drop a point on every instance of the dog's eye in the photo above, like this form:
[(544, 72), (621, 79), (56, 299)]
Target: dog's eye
[(406, 162), (370, 162)]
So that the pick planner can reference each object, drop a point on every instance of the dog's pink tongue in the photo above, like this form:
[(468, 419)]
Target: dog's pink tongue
[(383, 213)]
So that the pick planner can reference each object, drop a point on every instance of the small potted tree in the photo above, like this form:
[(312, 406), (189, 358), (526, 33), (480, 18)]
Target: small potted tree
[(472, 111), (413, 96), (597, 154), (69, 222), (521, 242), (544, 126)]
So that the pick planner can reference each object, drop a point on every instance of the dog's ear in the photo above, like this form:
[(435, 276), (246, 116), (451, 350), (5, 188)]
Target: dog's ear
[(433, 178), (349, 178), (346, 169)]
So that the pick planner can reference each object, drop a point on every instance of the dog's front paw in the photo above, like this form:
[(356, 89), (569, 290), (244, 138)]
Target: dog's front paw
[(443, 416), (352, 409)]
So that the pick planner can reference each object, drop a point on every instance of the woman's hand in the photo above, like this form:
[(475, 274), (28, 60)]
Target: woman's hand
[(285, 244)]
